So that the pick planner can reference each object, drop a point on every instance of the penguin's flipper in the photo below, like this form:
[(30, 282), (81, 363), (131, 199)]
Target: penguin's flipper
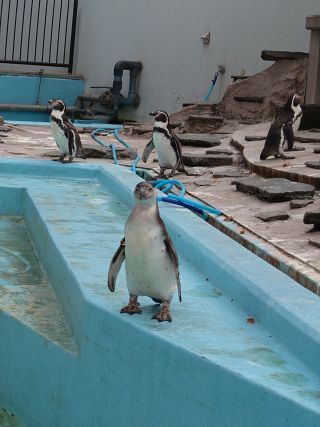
[(180, 165), (79, 148), (288, 135), (173, 255), (115, 265), (71, 139), (147, 151)]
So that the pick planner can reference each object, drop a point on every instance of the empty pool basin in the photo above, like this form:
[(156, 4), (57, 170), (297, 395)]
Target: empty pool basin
[(242, 350)]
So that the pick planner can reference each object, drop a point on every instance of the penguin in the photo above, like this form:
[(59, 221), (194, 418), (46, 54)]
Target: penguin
[(64, 133), (281, 132), (151, 262), (292, 107), (166, 143)]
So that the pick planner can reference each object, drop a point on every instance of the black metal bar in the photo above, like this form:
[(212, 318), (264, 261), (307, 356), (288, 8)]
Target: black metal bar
[(66, 32), (45, 64), (58, 35), (35, 48), (54, 1), (29, 28), (21, 39), (5, 49), (63, 14), (73, 35), (14, 30), (44, 29)]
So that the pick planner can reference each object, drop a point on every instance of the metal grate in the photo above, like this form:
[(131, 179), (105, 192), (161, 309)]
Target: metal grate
[(38, 32)]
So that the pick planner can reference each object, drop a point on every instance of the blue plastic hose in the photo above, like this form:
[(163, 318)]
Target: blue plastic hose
[(215, 78), (164, 185), (115, 131), (168, 184)]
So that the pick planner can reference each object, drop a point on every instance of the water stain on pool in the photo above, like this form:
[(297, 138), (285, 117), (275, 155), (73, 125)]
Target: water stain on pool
[(25, 292)]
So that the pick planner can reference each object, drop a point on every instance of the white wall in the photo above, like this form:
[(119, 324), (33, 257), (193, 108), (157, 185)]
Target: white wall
[(165, 36)]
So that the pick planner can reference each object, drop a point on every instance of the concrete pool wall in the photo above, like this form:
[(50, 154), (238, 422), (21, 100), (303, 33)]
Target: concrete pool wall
[(209, 367)]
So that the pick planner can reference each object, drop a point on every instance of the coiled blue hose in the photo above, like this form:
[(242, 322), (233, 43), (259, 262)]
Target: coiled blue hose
[(165, 185), (197, 207), (115, 131)]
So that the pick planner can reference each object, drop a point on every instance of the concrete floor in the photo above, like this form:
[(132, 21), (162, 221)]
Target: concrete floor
[(287, 240)]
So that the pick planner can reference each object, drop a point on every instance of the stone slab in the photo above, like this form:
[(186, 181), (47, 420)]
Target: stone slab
[(96, 152), (273, 216), (207, 160), (200, 140), (312, 218), (275, 55), (313, 164), (220, 151), (258, 99), (274, 189), (295, 148), (299, 203), (229, 174), (215, 119), (255, 137), (306, 139), (204, 182), (314, 242), (195, 171)]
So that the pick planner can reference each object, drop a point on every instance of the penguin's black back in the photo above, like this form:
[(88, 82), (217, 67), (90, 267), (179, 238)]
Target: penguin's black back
[(271, 145)]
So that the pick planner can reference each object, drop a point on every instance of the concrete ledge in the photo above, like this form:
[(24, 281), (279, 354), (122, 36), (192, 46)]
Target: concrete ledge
[(294, 170), (145, 356)]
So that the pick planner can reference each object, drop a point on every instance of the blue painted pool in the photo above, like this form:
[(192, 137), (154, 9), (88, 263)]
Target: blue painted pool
[(68, 358)]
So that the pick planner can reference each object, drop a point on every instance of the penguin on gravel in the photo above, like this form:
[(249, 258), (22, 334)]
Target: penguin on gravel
[(64, 133), (166, 143), (152, 266), (281, 132)]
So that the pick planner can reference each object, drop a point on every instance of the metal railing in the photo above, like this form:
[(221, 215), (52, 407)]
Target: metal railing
[(38, 32)]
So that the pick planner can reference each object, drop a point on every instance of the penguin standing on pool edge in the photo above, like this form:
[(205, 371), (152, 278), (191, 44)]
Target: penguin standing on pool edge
[(282, 129), (166, 143), (64, 133), (152, 266)]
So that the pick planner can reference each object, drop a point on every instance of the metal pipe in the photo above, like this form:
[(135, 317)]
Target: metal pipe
[(47, 109), (134, 68), (81, 98)]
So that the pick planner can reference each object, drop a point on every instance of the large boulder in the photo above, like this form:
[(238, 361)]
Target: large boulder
[(274, 85)]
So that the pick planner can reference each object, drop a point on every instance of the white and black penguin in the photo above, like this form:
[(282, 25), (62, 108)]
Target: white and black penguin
[(151, 262), (281, 133), (166, 143), (64, 133)]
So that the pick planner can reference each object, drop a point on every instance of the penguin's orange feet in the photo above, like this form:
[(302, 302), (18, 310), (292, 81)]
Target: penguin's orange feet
[(133, 306), (164, 314), (131, 309), (59, 159)]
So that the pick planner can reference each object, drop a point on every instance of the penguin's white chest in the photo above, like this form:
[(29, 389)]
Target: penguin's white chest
[(297, 118), (149, 269), (60, 138), (166, 155)]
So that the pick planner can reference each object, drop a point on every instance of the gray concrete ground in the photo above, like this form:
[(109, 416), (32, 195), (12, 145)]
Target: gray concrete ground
[(286, 240)]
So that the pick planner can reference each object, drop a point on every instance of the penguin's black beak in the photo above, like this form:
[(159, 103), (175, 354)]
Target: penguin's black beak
[(50, 101), (154, 113)]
